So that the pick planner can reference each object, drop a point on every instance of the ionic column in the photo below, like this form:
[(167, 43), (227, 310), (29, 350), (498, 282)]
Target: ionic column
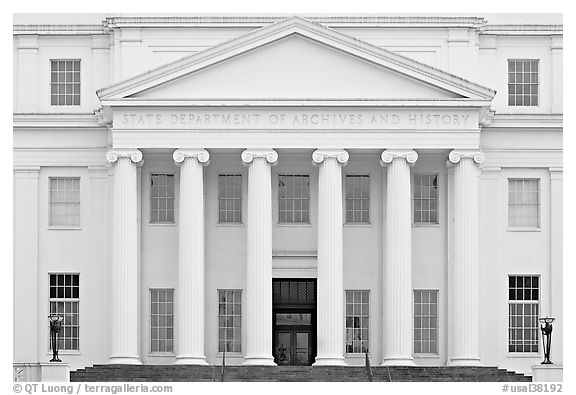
[(464, 287), (259, 257), (398, 316), (190, 292), (330, 317), (125, 271)]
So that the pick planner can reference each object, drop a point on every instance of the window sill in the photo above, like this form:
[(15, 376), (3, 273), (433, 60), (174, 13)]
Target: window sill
[(294, 225), (56, 227), (427, 356), (425, 225), (66, 352), (523, 355), (512, 229), (161, 224), (230, 224), (358, 224)]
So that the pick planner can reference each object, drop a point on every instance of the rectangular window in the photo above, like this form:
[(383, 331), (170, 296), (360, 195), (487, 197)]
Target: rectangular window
[(161, 320), (65, 82), (230, 198), (294, 198), (64, 302), (229, 320), (357, 198), (523, 298), (426, 198), (64, 201), (162, 198), (357, 321), (425, 321), (523, 203), (523, 82)]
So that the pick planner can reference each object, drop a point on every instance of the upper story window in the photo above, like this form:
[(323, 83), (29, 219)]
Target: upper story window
[(161, 198), (64, 201), (230, 198), (65, 82), (523, 306), (426, 198), (294, 198), (523, 203), (357, 198), (523, 82), (64, 302)]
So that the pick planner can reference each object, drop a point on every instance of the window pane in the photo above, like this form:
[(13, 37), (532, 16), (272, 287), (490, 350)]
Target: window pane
[(293, 198), (161, 320), (65, 82), (64, 196), (64, 303), (523, 203), (229, 321), (357, 321), (523, 82), (162, 198), (425, 205), (426, 321), (357, 198), (523, 314)]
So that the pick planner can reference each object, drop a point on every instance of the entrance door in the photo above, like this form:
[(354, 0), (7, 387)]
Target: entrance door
[(294, 321)]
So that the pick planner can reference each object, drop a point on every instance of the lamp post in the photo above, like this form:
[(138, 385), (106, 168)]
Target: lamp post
[(55, 328), (546, 337)]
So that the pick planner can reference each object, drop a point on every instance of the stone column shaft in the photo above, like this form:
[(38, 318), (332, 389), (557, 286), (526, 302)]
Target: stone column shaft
[(330, 308), (190, 292), (125, 269), (259, 257), (464, 268), (398, 308)]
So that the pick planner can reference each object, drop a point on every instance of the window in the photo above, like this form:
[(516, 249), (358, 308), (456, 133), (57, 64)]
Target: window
[(523, 82), (65, 82), (523, 297), (425, 321), (162, 198), (523, 203), (294, 198), (426, 198), (357, 198), (230, 198), (161, 320), (357, 321), (64, 201), (64, 302), (229, 320)]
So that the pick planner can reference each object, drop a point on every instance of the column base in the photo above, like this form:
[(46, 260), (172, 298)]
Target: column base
[(330, 361), (398, 361), (125, 361), (464, 362), (257, 361), (190, 361)]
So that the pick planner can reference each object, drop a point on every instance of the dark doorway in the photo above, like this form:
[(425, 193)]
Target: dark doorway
[(294, 321)]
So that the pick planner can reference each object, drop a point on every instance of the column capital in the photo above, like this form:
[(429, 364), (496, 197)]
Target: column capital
[(200, 154), (249, 155), (340, 155), (115, 153), (389, 155), (456, 155)]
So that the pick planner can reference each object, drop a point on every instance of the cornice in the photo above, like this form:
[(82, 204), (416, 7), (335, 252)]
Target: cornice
[(523, 29), (29, 121), (526, 121), (306, 28), (60, 30)]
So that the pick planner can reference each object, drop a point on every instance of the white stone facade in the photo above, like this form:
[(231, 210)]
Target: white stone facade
[(389, 98)]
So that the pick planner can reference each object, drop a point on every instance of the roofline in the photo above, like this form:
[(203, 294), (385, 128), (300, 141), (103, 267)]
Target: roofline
[(478, 23)]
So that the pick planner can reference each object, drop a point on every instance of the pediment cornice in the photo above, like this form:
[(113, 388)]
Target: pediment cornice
[(314, 31)]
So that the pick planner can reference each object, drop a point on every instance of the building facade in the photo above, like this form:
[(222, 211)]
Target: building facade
[(290, 190)]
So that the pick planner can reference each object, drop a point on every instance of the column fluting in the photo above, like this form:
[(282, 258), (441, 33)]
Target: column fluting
[(330, 307), (190, 292), (398, 308), (125, 268), (464, 285), (259, 257)]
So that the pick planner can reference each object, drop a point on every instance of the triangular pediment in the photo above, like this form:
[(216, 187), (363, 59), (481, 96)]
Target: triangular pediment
[(295, 60)]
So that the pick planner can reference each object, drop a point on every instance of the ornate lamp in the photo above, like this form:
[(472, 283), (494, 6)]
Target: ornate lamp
[(546, 328), (55, 328)]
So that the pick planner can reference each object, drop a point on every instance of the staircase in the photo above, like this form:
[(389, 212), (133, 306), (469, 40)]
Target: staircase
[(291, 373)]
